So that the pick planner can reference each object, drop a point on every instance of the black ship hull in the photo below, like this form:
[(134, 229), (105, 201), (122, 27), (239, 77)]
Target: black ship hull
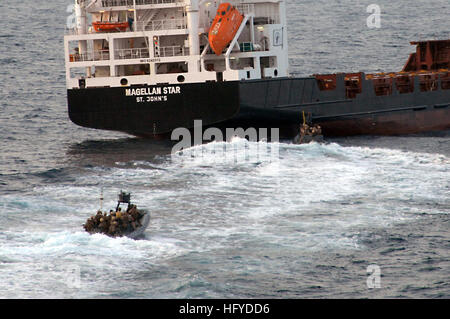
[(269, 103)]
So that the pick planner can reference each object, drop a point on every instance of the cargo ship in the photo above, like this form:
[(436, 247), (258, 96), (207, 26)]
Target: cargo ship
[(147, 67)]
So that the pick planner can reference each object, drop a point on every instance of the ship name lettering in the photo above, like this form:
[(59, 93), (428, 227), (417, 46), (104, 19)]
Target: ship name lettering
[(143, 91), (152, 94), (153, 91), (172, 90)]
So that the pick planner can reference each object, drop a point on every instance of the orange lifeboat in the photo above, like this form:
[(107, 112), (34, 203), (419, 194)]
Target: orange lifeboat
[(224, 27), (110, 26)]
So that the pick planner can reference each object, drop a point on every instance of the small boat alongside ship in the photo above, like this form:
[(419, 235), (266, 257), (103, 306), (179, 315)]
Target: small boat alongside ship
[(226, 64), (130, 223), (308, 133)]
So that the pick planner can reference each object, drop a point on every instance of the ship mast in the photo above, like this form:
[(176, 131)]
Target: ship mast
[(134, 13), (192, 10), (80, 13)]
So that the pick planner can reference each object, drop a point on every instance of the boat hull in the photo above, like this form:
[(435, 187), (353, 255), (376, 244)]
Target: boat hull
[(270, 103), (139, 232), (148, 111), (414, 121)]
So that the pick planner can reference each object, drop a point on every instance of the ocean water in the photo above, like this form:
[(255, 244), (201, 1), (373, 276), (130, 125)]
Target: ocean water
[(229, 220)]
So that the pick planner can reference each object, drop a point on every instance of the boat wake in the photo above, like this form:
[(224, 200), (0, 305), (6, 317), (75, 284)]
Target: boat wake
[(206, 207)]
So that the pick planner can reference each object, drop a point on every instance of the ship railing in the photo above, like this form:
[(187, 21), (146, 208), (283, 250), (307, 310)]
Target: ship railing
[(157, 25), (171, 51), (130, 3), (99, 55), (246, 8), (135, 53), (264, 15)]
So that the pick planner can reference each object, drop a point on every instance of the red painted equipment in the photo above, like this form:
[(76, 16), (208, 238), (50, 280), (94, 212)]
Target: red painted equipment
[(224, 27)]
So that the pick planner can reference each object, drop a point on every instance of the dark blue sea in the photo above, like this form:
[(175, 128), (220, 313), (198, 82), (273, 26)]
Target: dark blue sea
[(361, 217)]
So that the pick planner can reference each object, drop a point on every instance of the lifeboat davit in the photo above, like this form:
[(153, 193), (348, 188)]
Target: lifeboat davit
[(110, 26), (224, 27)]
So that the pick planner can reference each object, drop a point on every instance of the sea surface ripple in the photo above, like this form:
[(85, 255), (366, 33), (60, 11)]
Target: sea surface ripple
[(240, 224)]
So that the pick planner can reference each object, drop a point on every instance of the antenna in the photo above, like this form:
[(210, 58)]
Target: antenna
[(101, 199)]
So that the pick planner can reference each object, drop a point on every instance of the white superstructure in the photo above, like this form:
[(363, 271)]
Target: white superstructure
[(166, 41)]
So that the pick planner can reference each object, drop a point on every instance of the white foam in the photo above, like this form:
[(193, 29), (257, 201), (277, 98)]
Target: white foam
[(39, 245), (205, 201)]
